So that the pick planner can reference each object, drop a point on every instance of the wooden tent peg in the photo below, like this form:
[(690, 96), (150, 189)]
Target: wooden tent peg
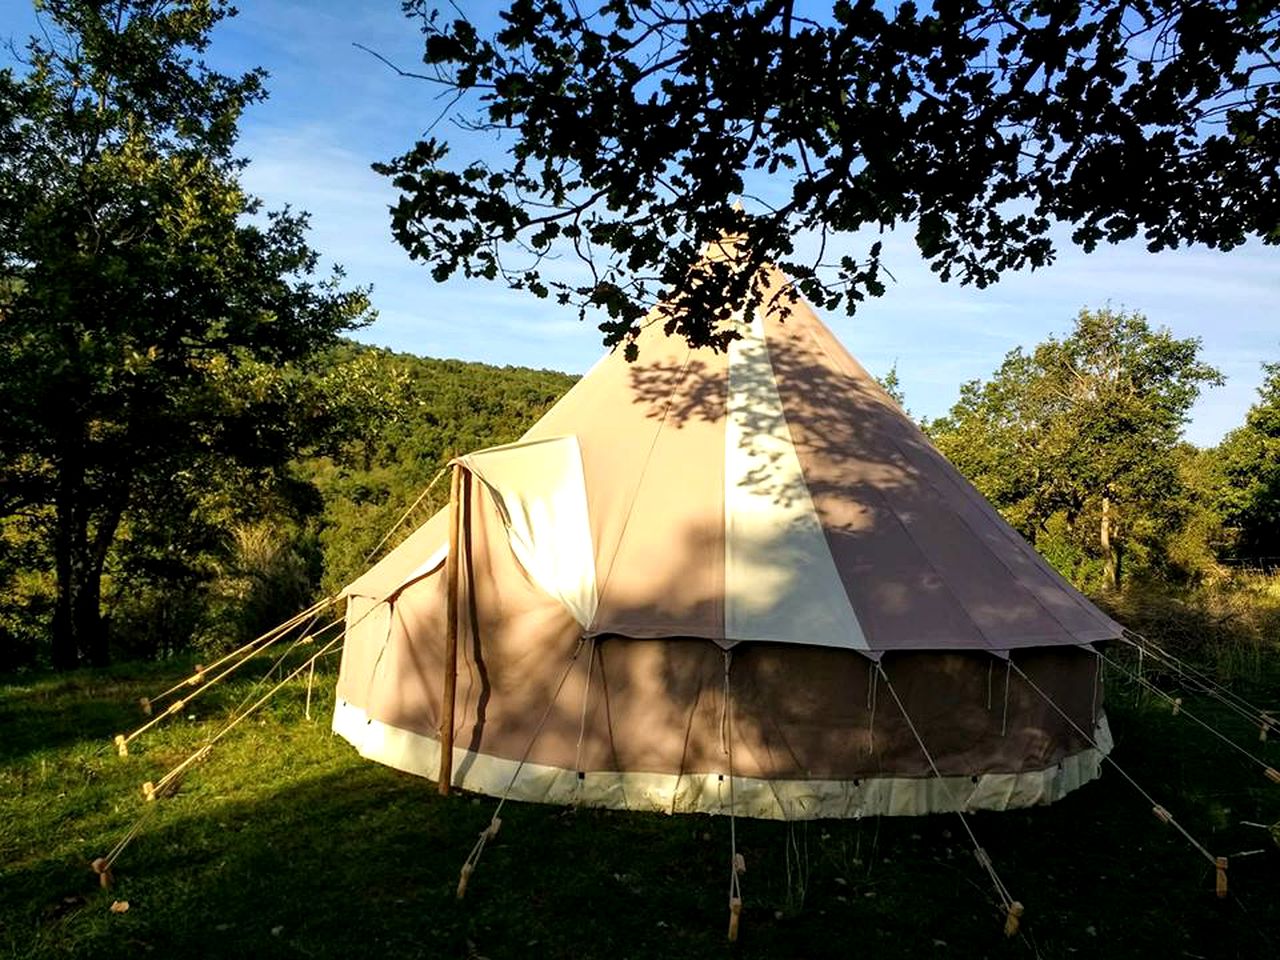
[(1220, 882), (1013, 919), (102, 867), (145, 704), (149, 791), (463, 877), (735, 911), (122, 745)]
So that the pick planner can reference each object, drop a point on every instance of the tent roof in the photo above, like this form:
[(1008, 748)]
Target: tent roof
[(772, 492)]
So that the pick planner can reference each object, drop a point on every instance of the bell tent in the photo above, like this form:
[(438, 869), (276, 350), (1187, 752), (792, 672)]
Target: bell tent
[(738, 582)]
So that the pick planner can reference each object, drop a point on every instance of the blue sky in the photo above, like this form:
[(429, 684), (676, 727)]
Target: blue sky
[(334, 110)]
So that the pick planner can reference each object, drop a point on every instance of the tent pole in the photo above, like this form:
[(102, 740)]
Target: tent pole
[(451, 566)]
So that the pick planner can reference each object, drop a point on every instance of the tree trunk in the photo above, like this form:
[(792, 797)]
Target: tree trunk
[(68, 537), (79, 633), (1110, 553), (91, 633)]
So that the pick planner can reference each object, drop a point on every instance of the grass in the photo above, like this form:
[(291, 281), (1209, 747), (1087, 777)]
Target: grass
[(1230, 623), (286, 844)]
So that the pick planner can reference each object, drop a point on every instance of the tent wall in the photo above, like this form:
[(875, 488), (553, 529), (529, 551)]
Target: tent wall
[(807, 728)]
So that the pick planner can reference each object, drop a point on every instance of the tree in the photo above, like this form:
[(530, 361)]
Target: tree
[(630, 129), (1085, 429), (150, 313), (893, 387), (1249, 459)]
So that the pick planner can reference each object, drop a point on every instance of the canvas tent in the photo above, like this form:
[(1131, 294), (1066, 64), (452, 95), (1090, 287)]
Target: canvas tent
[(728, 582)]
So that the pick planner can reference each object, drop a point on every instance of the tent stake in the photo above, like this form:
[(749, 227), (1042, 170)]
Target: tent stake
[(451, 635)]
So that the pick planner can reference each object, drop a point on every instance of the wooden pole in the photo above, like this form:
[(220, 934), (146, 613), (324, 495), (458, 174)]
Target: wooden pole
[(451, 567)]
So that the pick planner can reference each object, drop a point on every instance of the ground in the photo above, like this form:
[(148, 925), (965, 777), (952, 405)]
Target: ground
[(285, 843)]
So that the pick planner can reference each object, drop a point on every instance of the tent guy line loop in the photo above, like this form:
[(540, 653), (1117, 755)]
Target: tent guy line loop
[(737, 864), (1097, 683), (582, 724), (1013, 908), (495, 822), (1180, 710), (1004, 714), (872, 679), (1161, 812)]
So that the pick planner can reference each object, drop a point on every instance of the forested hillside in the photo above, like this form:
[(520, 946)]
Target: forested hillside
[(241, 550)]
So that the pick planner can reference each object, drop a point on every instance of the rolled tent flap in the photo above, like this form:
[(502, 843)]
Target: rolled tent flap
[(539, 491)]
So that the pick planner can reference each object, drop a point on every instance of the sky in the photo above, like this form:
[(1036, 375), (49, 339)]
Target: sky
[(334, 109)]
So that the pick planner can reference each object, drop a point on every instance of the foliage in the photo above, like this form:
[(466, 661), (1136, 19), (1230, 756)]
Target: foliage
[(153, 322), (1195, 550), (223, 551), (630, 127), (893, 387), (1229, 624), (1077, 441), (1249, 459)]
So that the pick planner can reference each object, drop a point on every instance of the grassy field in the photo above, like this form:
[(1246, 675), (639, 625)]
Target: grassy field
[(285, 843)]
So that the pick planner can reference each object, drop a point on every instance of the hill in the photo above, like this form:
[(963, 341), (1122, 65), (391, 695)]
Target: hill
[(213, 559)]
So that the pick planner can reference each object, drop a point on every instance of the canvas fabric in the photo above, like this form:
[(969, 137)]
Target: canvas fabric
[(770, 501), (658, 707)]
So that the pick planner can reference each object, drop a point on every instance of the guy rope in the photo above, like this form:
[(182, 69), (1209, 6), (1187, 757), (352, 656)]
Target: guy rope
[(1013, 909), (1179, 710), (202, 680), (1161, 813)]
